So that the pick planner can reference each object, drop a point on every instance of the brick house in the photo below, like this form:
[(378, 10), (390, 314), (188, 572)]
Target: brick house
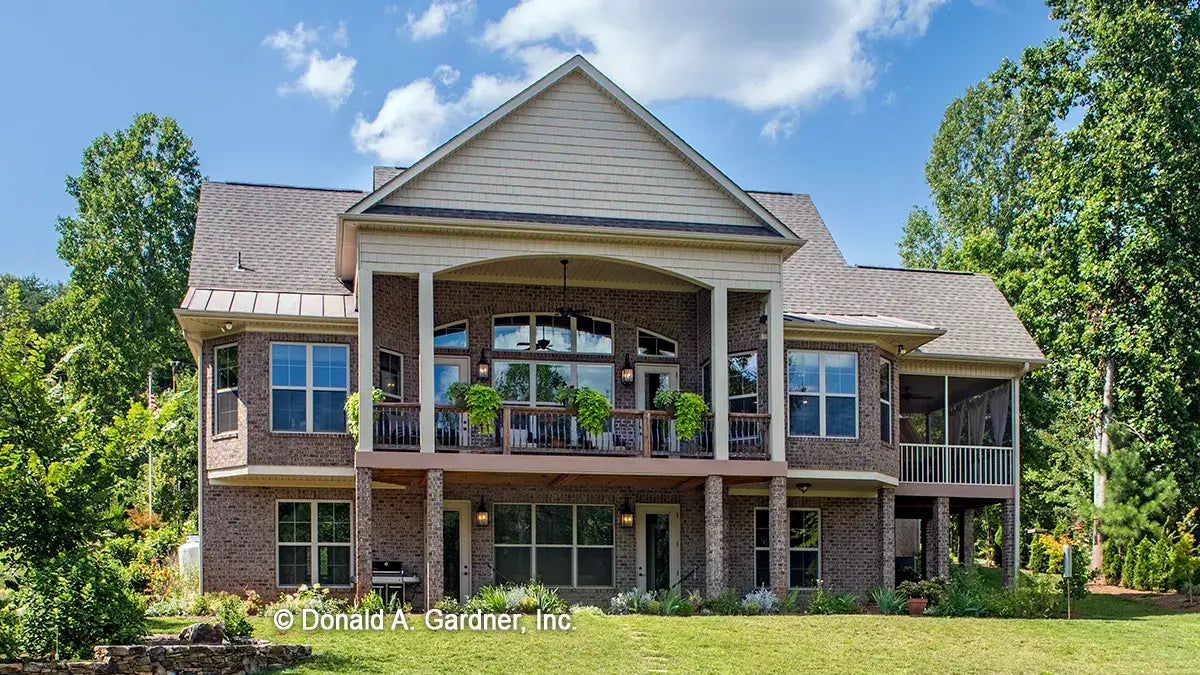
[(569, 237)]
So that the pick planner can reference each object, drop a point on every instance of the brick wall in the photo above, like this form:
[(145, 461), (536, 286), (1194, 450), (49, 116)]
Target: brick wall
[(254, 442), (866, 452)]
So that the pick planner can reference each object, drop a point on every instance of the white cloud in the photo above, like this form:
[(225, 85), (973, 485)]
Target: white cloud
[(783, 124), (329, 79), (446, 74), (766, 56), (889, 98), (437, 17)]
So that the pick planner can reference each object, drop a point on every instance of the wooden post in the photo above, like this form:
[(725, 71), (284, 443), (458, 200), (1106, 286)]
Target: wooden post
[(646, 426)]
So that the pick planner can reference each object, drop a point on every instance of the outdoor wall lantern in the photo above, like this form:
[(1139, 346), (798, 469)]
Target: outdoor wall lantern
[(627, 372), (484, 369), (626, 516), (482, 517)]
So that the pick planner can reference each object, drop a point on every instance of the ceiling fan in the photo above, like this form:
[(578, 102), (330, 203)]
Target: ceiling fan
[(565, 311)]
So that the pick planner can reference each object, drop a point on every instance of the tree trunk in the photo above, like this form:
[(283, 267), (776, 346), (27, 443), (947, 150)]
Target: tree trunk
[(1099, 479)]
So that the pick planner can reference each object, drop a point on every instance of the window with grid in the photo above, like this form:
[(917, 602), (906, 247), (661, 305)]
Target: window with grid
[(804, 547), (313, 543), (822, 394), (451, 335), (309, 384), (225, 388), (557, 544)]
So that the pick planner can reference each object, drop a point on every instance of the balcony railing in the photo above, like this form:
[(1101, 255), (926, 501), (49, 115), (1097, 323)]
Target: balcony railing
[(529, 430), (956, 464)]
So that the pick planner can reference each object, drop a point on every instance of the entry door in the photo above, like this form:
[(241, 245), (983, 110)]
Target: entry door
[(456, 549), (657, 546), (451, 430), (650, 379)]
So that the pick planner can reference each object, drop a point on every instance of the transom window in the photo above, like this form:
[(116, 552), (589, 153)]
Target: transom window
[(804, 547), (552, 333), (451, 335), (391, 374), (653, 344), (313, 543), (885, 400), (822, 394), (225, 388), (557, 544), (309, 383), (527, 383)]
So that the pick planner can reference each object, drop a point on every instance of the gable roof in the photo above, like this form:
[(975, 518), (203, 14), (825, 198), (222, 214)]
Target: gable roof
[(576, 65), (285, 235)]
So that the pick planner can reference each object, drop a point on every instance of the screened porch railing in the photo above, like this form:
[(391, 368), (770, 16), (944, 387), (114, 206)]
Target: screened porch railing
[(956, 464)]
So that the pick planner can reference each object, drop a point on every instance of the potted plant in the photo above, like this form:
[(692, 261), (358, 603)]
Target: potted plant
[(481, 401), (688, 409), (590, 407), (921, 593)]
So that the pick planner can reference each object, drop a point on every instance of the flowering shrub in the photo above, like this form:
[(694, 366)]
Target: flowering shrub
[(760, 601)]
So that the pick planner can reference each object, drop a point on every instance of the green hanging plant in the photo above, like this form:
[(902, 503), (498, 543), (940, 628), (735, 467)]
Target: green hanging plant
[(665, 399), (351, 408), (591, 408), (481, 401), (690, 410)]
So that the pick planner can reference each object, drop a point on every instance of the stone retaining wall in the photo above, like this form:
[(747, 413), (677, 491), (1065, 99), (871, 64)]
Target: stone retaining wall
[(182, 659)]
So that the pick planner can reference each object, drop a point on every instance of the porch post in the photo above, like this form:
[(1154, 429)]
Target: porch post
[(966, 528), (719, 365), (714, 535), (887, 537), (776, 376), (937, 539), (425, 349), (1009, 564), (363, 544), (1015, 565), (366, 360), (778, 525), (434, 581)]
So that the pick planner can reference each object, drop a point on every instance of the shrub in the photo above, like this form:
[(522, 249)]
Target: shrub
[(1142, 572), (1113, 557), (1031, 598), (516, 598), (10, 627), (1128, 565), (966, 595), (931, 589), (822, 602), (629, 603), (791, 602), (1159, 574), (652, 607), (673, 604), (762, 600), (237, 624), (1081, 576), (725, 604), (889, 601), (1037, 554), (446, 605), (1183, 565), (78, 600), (315, 598), (906, 573), (1054, 553)]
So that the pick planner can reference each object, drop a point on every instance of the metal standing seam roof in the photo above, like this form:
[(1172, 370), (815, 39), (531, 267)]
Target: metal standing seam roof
[(863, 321), (267, 303)]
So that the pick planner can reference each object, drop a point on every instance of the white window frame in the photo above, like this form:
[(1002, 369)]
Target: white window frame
[(314, 545), (466, 332), (573, 365), (379, 374), (823, 394), (754, 353), (574, 545), (308, 387), (660, 336), (767, 548), (218, 391), (532, 339), (884, 364)]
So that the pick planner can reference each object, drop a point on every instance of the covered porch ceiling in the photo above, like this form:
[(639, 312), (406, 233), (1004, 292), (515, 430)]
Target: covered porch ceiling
[(581, 272)]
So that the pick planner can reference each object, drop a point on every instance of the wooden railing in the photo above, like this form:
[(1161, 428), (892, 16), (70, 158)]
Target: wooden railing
[(956, 464), (529, 430)]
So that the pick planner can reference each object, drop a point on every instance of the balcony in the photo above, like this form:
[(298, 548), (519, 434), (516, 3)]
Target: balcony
[(523, 430), (956, 464)]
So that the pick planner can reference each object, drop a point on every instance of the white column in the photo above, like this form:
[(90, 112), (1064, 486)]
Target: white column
[(776, 376), (720, 371), (366, 360), (425, 349), (1016, 469)]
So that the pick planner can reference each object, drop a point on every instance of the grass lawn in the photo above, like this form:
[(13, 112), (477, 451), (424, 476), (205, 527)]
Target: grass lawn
[(1117, 636)]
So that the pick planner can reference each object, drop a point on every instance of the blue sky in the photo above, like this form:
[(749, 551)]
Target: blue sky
[(835, 98)]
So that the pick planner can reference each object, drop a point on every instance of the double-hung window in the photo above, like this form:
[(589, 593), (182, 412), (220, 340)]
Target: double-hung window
[(885, 400), (313, 543), (822, 394), (552, 333), (804, 547), (309, 384), (225, 388), (557, 544)]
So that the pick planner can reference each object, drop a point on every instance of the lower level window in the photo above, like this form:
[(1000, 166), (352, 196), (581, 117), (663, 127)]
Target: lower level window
[(804, 547), (557, 544), (313, 540)]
